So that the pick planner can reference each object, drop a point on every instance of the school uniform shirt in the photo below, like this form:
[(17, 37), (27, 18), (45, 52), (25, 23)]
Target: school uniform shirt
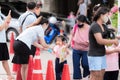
[(30, 35), (112, 61), (29, 17), (2, 33), (4, 54)]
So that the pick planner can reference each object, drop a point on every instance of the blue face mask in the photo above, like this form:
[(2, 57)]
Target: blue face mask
[(80, 25)]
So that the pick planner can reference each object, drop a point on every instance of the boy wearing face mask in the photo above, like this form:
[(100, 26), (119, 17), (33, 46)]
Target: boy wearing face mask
[(79, 36)]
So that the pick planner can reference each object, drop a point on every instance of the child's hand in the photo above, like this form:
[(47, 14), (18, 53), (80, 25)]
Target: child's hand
[(9, 14), (8, 18)]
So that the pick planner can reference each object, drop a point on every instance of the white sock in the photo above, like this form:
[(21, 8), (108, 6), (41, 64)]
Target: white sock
[(85, 78)]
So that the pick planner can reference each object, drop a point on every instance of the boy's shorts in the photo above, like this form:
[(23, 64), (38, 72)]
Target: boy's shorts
[(97, 63)]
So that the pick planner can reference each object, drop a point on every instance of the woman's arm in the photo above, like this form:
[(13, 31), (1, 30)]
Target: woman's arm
[(113, 50), (67, 50), (36, 22), (43, 43), (103, 41), (70, 39), (78, 12), (37, 45)]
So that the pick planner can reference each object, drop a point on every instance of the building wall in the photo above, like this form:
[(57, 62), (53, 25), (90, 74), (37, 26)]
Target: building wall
[(48, 6)]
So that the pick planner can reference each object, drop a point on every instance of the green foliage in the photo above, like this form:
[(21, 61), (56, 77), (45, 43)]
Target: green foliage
[(114, 19)]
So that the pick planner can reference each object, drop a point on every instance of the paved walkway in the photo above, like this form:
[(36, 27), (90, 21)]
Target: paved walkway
[(44, 56)]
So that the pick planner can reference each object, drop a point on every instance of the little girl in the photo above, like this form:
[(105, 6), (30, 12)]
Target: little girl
[(60, 51), (112, 70)]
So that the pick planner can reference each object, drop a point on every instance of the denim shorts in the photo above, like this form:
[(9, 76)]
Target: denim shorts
[(97, 63)]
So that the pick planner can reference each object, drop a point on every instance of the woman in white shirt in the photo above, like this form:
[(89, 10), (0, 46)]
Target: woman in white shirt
[(22, 44)]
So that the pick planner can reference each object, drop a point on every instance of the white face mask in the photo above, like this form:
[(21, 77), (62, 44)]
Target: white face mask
[(105, 19)]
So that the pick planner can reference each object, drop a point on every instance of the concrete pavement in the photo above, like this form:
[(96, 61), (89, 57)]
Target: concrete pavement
[(44, 56)]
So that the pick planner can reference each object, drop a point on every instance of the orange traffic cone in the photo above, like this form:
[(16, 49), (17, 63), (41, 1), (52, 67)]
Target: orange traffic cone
[(37, 51), (50, 72), (65, 73), (37, 69), (30, 68), (18, 76), (15, 68), (11, 44)]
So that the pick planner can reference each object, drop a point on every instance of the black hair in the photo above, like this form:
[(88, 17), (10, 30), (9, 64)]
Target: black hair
[(108, 22), (83, 19), (32, 5), (101, 10), (43, 20), (62, 37)]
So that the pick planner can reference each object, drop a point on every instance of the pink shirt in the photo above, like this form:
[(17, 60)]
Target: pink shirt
[(71, 16), (112, 61), (81, 38), (59, 50)]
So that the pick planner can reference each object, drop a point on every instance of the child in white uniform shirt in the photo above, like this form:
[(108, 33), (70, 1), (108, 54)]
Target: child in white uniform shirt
[(4, 55)]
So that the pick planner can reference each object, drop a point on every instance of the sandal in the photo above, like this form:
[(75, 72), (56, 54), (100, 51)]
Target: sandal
[(10, 78)]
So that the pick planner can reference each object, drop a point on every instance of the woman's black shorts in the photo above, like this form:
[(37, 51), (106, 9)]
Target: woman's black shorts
[(22, 52)]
